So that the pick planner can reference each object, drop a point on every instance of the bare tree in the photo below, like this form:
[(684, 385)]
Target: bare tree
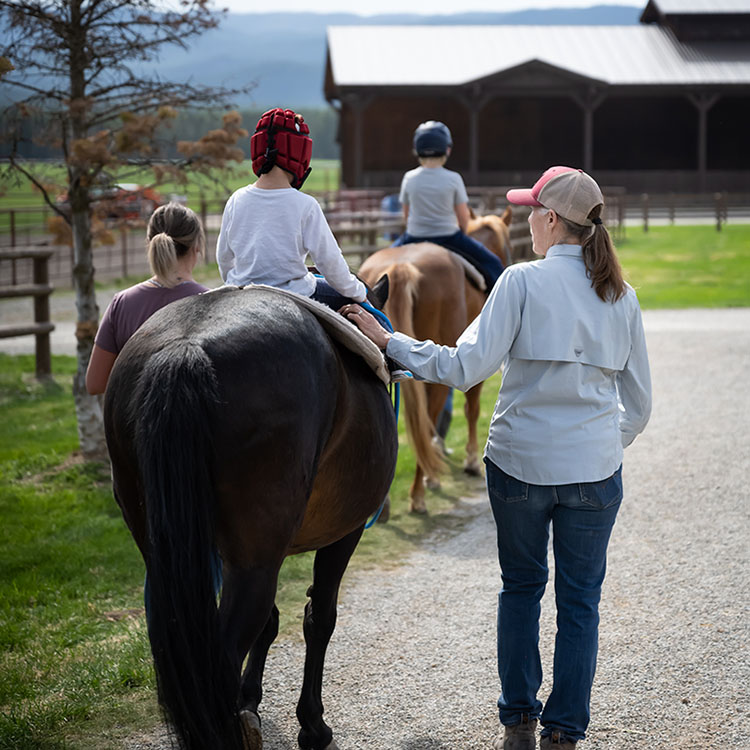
[(74, 65)]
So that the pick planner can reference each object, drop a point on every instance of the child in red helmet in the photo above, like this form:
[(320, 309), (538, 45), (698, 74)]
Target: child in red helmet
[(269, 227)]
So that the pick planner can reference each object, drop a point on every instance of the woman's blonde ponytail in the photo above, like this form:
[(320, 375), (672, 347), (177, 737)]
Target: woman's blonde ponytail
[(162, 257), (173, 231)]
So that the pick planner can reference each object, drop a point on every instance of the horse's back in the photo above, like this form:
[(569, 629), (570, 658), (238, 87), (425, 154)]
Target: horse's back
[(427, 255)]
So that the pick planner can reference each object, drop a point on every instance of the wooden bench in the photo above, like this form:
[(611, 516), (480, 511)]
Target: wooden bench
[(40, 291)]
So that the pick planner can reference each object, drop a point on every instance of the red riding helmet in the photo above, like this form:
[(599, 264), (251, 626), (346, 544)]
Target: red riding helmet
[(282, 139)]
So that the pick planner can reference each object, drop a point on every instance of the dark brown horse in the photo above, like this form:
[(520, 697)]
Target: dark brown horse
[(431, 297), (240, 431)]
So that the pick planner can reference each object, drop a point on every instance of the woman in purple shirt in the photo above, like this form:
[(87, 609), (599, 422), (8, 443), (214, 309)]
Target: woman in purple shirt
[(175, 239)]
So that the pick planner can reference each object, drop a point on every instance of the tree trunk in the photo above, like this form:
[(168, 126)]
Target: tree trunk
[(88, 408)]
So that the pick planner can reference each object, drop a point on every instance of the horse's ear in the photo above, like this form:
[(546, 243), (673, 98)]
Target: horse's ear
[(379, 293), (507, 215)]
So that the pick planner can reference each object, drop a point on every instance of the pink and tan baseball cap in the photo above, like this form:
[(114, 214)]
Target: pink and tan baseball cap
[(569, 192)]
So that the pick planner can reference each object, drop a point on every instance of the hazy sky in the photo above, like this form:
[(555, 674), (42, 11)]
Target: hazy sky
[(372, 7)]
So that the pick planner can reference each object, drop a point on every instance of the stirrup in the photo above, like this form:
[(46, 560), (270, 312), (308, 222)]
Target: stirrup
[(399, 376)]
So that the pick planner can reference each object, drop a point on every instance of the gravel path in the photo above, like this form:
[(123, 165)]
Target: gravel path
[(412, 663)]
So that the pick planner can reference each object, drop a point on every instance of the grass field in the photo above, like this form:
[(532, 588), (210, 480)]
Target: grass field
[(688, 266), (74, 656)]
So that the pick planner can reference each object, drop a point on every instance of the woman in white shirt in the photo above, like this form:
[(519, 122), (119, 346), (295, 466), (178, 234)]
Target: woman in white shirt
[(576, 390)]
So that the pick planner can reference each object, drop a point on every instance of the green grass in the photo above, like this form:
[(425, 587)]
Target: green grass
[(688, 266), (74, 654), (73, 645)]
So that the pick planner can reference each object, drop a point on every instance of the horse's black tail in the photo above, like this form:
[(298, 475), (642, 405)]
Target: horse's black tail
[(197, 679)]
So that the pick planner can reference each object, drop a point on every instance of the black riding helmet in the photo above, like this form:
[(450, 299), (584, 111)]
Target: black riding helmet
[(432, 138)]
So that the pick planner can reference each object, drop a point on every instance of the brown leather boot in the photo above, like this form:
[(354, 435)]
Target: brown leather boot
[(556, 741), (521, 736)]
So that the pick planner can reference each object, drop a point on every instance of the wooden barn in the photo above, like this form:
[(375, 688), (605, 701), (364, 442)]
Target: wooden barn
[(659, 106)]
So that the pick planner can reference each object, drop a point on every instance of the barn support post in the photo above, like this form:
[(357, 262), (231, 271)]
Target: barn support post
[(357, 104), (588, 102), (473, 146), (474, 101), (703, 102)]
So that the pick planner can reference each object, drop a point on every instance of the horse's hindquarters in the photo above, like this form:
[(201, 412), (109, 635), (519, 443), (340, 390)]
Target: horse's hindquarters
[(364, 435)]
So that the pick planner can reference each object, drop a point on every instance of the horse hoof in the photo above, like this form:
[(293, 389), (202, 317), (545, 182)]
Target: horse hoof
[(432, 483), (251, 734), (418, 506), (472, 469), (332, 746)]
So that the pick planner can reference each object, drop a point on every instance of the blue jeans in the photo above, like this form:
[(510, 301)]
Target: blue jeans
[(327, 295), (582, 517), (486, 262)]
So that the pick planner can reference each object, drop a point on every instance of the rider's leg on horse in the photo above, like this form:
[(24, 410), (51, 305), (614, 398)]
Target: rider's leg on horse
[(489, 265), (327, 295)]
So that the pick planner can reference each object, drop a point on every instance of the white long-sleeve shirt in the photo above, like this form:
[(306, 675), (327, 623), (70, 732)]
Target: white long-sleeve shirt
[(266, 235), (576, 383)]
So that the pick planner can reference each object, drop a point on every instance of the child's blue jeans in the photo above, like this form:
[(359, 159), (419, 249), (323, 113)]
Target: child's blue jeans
[(327, 295)]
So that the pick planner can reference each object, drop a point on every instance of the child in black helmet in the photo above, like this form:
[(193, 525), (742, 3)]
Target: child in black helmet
[(435, 202)]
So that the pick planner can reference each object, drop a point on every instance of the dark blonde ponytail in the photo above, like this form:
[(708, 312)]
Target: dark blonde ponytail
[(162, 256), (599, 257), (173, 231)]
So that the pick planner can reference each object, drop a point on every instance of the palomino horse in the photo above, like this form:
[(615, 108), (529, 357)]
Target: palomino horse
[(240, 431), (430, 297)]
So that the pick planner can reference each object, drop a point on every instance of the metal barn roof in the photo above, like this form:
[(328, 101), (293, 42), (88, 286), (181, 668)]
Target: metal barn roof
[(679, 7), (457, 55)]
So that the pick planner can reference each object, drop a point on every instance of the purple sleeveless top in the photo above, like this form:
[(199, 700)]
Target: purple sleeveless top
[(130, 308)]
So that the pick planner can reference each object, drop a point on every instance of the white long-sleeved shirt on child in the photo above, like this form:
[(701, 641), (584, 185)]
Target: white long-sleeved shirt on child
[(267, 234)]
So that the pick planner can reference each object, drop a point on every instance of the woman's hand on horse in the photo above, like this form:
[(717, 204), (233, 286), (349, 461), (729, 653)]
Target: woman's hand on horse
[(367, 324)]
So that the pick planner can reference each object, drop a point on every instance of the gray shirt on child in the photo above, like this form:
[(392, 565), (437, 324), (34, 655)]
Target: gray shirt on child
[(432, 194)]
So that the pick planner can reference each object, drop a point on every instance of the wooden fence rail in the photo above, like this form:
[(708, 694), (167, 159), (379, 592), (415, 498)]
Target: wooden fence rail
[(40, 290), (685, 206)]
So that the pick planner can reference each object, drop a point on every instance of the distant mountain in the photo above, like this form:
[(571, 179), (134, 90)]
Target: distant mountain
[(284, 53)]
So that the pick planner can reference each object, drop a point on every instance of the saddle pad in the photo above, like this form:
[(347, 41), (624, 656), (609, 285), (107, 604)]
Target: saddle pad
[(472, 273), (338, 328)]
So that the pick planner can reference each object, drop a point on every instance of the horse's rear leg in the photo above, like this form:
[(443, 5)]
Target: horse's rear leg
[(319, 623), (250, 620), (436, 396), (251, 692), (471, 410)]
